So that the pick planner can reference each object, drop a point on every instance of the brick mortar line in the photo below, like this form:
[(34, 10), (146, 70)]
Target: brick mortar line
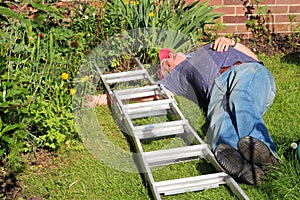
[(242, 15), (281, 23), (271, 23), (229, 5)]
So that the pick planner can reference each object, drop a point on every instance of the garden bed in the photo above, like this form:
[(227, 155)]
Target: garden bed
[(278, 44)]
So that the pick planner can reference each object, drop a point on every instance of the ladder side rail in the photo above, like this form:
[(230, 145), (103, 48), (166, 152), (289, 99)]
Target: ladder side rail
[(149, 175), (192, 130), (175, 103), (146, 171), (143, 166), (116, 100), (146, 72), (210, 156), (233, 185), (236, 189), (188, 126), (110, 92), (103, 79)]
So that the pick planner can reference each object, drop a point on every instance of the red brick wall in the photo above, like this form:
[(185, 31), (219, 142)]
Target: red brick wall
[(234, 16)]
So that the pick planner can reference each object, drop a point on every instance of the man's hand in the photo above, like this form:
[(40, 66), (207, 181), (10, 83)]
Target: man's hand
[(96, 100), (222, 44)]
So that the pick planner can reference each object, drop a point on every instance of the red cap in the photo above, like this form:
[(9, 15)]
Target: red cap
[(164, 53)]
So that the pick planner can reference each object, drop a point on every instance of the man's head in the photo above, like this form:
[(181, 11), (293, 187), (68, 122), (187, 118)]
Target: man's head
[(168, 61)]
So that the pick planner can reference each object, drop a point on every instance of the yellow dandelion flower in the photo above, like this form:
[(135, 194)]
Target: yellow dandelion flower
[(126, 2), (102, 5), (64, 76), (84, 79), (72, 91), (135, 3), (68, 143), (151, 14)]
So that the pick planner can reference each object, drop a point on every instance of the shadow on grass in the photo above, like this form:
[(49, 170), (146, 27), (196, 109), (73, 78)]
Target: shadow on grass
[(292, 58)]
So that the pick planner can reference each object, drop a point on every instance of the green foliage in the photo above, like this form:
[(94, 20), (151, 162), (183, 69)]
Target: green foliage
[(14, 115), (43, 46), (256, 22), (35, 106), (295, 31), (186, 20), (295, 25), (10, 13)]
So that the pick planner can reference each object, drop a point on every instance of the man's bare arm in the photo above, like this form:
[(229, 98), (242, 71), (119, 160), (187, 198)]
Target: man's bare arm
[(103, 99), (245, 50), (223, 43)]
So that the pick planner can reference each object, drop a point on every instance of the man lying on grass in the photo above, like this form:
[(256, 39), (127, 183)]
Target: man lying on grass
[(236, 90)]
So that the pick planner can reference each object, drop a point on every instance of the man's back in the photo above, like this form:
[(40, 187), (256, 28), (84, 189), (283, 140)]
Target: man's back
[(194, 77)]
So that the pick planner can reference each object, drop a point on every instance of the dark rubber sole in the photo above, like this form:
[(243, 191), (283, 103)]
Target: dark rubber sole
[(257, 152), (235, 165)]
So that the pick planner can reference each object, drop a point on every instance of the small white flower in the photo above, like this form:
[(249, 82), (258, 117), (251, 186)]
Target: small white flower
[(94, 14), (86, 17), (294, 145)]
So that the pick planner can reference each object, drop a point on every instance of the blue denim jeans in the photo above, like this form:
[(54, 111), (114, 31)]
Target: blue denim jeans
[(239, 98)]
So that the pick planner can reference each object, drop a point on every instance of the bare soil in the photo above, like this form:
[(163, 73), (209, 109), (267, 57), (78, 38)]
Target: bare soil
[(11, 187), (274, 44)]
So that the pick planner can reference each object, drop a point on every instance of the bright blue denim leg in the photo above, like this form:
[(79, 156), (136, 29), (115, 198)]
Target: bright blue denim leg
[(239, 98)]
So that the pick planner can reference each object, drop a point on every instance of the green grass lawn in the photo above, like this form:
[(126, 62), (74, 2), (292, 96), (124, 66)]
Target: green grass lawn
[(82, 175)]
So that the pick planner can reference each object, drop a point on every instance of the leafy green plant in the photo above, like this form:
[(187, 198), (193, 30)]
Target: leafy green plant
[(35, 106), (142, 27), (40, 42), (10, 13), (14, 116), (188, 20), (16, 90), (256, 22), (295, 31)]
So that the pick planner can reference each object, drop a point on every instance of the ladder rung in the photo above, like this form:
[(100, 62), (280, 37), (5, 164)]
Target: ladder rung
[(150, 108), (175, 155), (148, 114), (160, 130), (137, 92), (150, 104), (191, 184), (124, 76)]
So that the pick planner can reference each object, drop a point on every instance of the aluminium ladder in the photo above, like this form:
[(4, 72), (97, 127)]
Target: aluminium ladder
[(139, 84)]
